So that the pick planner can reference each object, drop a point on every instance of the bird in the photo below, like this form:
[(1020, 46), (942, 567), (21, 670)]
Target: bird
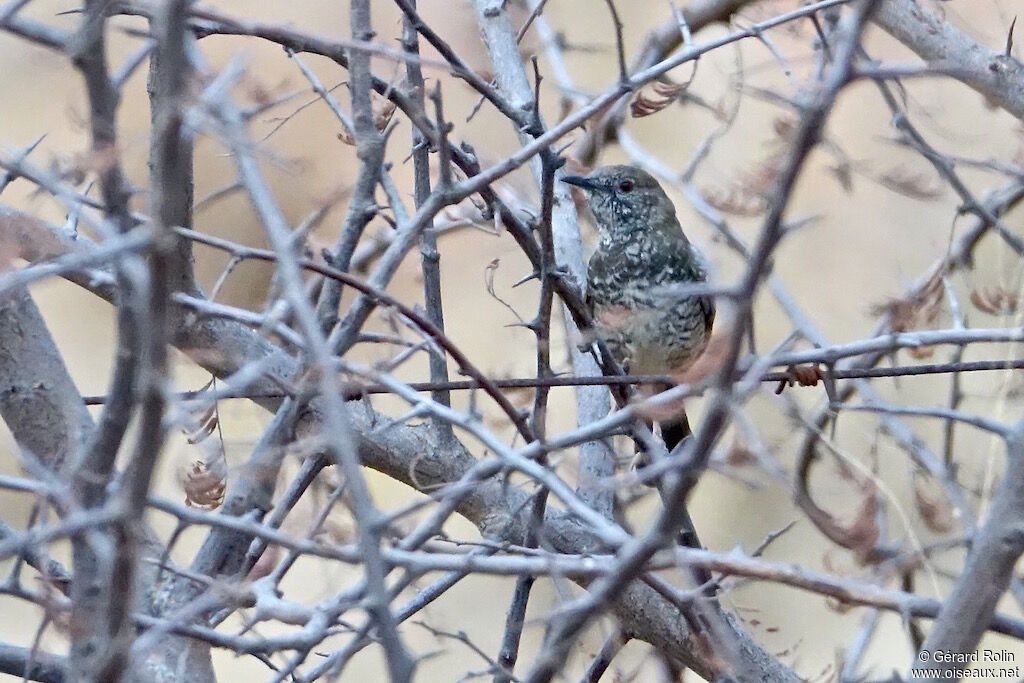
[(641, 280)]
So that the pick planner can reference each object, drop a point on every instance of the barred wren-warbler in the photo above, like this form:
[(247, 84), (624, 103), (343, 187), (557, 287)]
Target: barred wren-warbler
[(640, 281)]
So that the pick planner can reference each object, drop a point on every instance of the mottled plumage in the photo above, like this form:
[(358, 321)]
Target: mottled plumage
[(641, 279)]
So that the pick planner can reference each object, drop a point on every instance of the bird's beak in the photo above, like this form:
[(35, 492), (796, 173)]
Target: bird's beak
[(580, 181)]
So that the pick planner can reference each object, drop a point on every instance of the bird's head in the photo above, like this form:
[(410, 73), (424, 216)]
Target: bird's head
[(625, 199)]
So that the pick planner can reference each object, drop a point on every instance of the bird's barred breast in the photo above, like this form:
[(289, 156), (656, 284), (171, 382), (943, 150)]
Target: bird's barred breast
[(645, 305), (651, 339)]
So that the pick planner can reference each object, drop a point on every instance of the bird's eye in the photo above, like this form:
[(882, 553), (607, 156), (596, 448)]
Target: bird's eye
[(626, 185)]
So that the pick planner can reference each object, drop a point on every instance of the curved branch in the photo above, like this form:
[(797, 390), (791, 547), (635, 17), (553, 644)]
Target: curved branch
[(996, 75)]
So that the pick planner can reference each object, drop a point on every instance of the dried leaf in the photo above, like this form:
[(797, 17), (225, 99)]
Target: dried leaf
[(934, 508), (807, 375), (665, 93), (843, 173), (784, 126), (837, 605), (921, 352), (911, 184), (919, 310), (207, 425), (203, 487), (735, 200), (95, 160), (739, 455), (383, 109), (996, 301), (346, 135), (258, 92), (746, 196), (804, 375), (763, 177), (865, 532)]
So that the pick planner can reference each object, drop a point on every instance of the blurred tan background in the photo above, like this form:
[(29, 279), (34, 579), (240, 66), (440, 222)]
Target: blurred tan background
[(863, 247)]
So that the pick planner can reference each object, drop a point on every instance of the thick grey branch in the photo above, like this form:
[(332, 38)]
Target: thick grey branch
[(994, 553), (38, 400), (32, 665), (994, 74)]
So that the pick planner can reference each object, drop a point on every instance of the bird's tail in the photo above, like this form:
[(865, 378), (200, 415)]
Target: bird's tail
[(674, 430)]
